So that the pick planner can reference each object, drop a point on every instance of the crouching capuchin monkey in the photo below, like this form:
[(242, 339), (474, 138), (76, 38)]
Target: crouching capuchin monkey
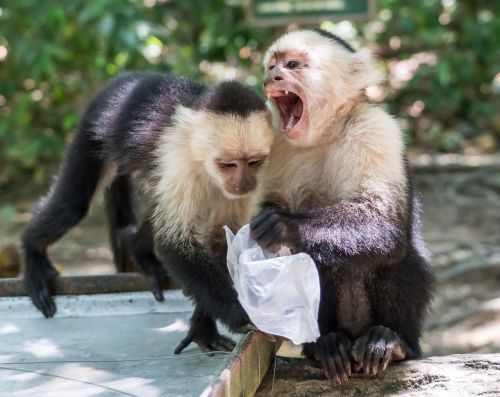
[(337, 187), (197, 152)]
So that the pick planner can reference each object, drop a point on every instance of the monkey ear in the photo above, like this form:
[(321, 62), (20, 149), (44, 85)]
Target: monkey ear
[(364, 70)]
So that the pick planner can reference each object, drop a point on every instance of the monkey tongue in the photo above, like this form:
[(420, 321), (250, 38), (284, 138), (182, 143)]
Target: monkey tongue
[(297, 109), (290, 107), (294, 115)]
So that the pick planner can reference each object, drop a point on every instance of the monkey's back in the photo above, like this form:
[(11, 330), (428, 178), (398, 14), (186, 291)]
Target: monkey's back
[(131, 112)]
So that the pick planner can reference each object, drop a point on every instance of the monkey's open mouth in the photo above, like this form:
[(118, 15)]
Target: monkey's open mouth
[(290, 107)]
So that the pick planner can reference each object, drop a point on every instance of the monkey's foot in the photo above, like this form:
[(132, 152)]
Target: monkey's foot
[(207, 343), (373, 351), (38, 286), (203, 331), (332, 351)]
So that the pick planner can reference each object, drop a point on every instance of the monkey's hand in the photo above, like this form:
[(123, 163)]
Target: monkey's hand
[(271, 230), (373, 351), (204, 332), (332, 351), (237, 320), (38, 283)]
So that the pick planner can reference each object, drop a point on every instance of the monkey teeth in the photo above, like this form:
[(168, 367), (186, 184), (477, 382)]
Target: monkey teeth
[(290, 107), (276, 94)]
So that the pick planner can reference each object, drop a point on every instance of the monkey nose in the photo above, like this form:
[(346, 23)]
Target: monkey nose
[(272, 78)]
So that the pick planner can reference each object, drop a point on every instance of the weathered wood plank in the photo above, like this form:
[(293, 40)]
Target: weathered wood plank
[(78, 285), (244, 372)]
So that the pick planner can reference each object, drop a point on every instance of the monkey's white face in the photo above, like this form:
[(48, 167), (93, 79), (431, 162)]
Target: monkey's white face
[(283, 85), (308, 78), (233, 150)]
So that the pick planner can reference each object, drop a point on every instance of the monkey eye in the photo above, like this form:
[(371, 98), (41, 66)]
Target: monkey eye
[(225, 164), (292, 64), (254, 162), (271, 67)]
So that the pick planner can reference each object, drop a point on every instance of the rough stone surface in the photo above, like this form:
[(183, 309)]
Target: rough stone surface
[(454, 375)]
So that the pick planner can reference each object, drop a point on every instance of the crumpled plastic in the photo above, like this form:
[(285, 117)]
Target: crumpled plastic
[(280, 292)]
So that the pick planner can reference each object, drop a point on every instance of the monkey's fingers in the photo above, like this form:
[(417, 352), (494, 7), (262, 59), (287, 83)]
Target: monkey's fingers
[(44, 302), (260, 218), (219, 344), (380, 344), (358, 352), (262, 223), (38, 288), (333, 368), (332, 350), (155, 287), (386, 359), (390, 348), (344, 358), (376, 349), (272, 238), (184, 343), (222, 343)]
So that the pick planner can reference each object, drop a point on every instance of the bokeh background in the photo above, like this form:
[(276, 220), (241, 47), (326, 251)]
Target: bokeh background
[(442, 61)]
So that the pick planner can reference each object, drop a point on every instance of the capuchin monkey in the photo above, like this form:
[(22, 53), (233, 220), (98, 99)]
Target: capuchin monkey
[(197, 153), (337, 187)]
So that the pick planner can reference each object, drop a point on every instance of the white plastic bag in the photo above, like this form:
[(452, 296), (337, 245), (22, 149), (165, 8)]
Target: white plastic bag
[(280, 293)]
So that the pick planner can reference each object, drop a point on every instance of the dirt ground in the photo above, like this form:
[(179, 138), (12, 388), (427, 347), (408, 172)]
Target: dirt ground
[(461, 227)]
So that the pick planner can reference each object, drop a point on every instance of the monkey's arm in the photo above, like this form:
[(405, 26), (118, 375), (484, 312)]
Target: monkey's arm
[(367, 230), (207, 282)]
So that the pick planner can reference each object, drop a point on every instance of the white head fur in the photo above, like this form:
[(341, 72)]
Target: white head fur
[(328, 78), (190, 191)]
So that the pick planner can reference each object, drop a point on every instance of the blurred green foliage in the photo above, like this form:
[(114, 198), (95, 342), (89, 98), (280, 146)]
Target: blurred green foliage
[(55, 55), (451, 101)]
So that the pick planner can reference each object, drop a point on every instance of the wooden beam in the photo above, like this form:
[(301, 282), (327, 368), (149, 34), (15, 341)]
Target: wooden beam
[(244, 372), (88, 285)]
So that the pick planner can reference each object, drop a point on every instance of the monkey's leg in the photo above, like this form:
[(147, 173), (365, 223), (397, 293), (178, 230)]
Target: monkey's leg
[(133, 249), (332, 350), (121, 221), (143, 249), (399, 303), (66, 204), (203, 331)]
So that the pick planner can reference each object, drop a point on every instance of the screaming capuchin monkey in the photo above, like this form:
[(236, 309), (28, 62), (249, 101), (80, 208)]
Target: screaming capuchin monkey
[(337, 187), (197, 152)]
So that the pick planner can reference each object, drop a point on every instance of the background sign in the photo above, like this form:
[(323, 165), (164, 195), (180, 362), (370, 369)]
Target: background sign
[(282, 12)]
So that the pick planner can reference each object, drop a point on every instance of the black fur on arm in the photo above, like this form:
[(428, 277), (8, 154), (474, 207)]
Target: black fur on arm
[(364, 230), (205, 279)]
